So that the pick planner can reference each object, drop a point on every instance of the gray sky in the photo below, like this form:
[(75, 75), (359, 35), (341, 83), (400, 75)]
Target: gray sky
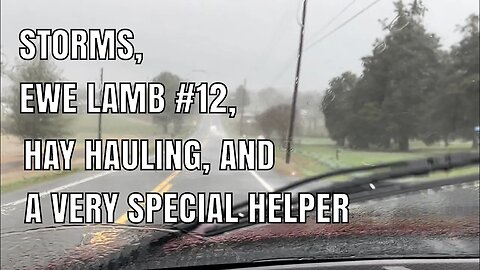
[(229, 39)]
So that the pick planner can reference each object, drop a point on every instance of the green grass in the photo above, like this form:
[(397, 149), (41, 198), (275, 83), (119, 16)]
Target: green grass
[(313, 156), (300, 164), (475, 169), (324, 153), (32, 180), (84, 126)]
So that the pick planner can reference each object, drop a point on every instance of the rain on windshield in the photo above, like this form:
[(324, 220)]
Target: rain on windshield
[(295, 89)]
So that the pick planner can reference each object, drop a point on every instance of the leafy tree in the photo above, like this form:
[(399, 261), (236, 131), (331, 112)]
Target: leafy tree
[(452, 110), (171, 82), (465, 57), (335, 106), (441, 111), (34, 125), (409, 88), (273, 121), (397, 78)]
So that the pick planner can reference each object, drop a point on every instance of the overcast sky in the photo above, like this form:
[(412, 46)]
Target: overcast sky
[(226, 40)]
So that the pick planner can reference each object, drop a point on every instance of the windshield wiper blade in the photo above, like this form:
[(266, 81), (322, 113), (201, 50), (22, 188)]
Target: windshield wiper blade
[(357, 198), (411, 168), (398, 169), (393, 190), (364, 184)]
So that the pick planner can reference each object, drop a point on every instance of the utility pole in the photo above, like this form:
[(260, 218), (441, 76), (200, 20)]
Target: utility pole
[(100, 114), (295, 89), (243, 105)]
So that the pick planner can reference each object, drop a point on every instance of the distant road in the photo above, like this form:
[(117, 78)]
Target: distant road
[(209, 132)]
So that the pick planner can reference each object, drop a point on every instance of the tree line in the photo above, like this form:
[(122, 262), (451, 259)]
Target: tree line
[(409, 88), (36, 125)]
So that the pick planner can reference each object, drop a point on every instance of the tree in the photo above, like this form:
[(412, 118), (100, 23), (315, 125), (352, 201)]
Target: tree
[(273, 121), (335, 106), (441, 111), (452, 110), (34, 125), (171, 82), (396, 81), (465, 57)]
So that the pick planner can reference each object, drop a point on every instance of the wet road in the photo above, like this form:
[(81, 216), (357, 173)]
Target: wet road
[(209, 132), (39, 246)]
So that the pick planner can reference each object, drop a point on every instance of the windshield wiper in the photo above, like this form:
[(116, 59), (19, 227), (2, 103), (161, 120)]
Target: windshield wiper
[(357, 189), (398, 169), (360, 197), (363, 188)]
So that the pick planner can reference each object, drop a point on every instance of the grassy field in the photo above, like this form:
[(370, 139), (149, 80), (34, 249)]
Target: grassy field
[(33, 178), (316, 156), (79, 127), (313, 156)]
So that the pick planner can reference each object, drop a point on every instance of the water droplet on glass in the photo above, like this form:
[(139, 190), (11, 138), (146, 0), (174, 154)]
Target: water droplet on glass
[(332, 98), (381, 47), (395, 25)]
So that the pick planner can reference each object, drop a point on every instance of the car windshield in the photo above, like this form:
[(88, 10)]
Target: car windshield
[(116, 106)]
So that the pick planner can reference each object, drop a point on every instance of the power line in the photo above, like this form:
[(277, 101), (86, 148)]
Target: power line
[(287, 65), (342, 24), (333, 19)]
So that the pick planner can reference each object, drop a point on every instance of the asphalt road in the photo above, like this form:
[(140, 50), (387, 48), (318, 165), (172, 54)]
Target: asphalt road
[(21, 250), (209, 132)]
